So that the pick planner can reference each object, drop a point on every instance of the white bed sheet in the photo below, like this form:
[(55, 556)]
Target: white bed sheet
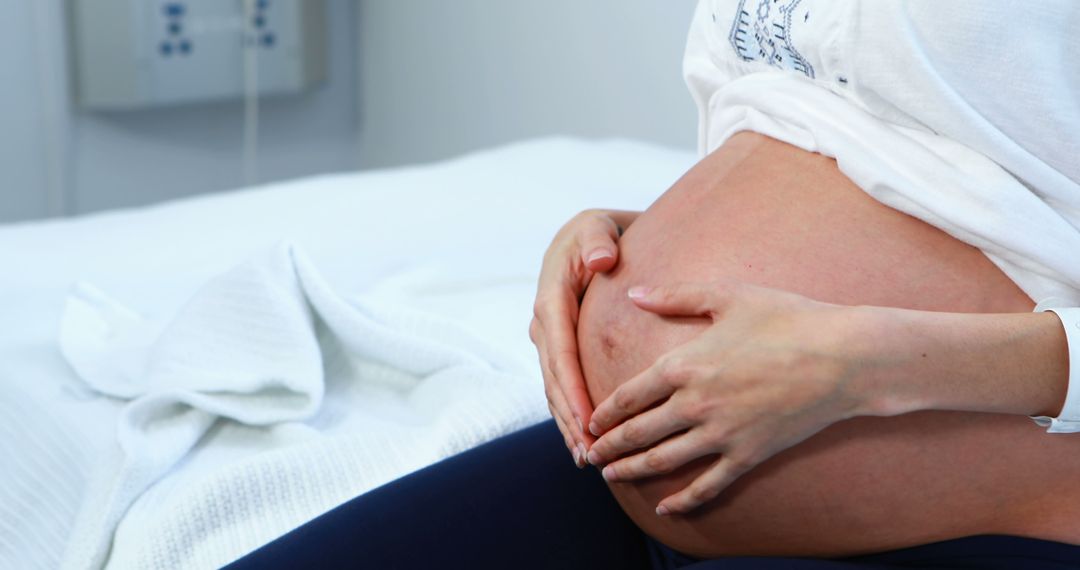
[(461, 239)]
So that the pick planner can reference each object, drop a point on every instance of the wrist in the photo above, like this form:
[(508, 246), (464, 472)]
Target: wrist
[(1062, 395), (885, 346), (1013, 363)]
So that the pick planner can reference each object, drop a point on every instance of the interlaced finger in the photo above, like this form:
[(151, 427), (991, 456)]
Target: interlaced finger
[(638, 432), (705, 487)]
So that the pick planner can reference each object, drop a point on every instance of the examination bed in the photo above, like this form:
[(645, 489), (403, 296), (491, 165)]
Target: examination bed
[(411, 287)]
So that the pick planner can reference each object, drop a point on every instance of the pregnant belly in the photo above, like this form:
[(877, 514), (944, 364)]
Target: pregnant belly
[(771, 214)]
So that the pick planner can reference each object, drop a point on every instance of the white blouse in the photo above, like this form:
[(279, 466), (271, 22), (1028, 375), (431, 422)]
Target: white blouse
[(965, 114)]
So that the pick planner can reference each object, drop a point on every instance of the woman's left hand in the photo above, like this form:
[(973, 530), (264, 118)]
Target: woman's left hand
[(773, 369)]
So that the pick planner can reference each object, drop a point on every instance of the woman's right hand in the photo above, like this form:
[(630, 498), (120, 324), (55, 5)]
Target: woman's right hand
[(586, 245)]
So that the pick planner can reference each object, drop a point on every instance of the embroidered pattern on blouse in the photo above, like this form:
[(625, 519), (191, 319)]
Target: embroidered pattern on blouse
[(762, 30)]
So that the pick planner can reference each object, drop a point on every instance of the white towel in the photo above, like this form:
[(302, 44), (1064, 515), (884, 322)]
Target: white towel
[(266, 401)]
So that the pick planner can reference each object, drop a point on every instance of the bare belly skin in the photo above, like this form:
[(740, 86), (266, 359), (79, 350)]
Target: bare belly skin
[(771, 214)]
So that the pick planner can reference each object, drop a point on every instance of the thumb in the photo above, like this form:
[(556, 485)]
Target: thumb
[(684, 299), (599, 245)]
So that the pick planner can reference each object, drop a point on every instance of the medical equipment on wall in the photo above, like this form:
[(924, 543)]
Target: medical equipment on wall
[(144, 53)]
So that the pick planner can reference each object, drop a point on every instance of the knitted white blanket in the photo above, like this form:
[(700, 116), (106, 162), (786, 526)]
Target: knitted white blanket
[(266, 401)]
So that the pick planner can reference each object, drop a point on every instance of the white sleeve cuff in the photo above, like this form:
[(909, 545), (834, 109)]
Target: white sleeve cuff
[(1068, 421)]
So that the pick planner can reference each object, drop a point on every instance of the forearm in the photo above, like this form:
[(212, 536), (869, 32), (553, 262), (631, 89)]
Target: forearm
[(1015, 363)]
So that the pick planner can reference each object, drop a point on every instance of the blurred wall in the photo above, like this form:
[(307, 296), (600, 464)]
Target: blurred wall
[(441, 77), (22, 133), (409, 80), (55, 159)]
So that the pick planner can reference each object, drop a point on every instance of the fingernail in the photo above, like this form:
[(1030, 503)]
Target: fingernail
[(594, 457), (584, 455), (577, 456), (608, 473), (594, 429), (637, 292), (598, 254), (662, 511)]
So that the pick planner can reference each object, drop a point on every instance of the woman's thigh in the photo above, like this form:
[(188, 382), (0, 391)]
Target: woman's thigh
[(777, 216), (983, 552), (515, 502)]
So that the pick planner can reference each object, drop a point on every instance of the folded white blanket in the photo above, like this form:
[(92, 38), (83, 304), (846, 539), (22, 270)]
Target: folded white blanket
[(266, 401)]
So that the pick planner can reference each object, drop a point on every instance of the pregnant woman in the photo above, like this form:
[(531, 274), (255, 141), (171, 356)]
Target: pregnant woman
[(821, 347)]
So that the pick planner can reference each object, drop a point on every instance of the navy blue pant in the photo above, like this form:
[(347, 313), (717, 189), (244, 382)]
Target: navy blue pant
[(519, 502)]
